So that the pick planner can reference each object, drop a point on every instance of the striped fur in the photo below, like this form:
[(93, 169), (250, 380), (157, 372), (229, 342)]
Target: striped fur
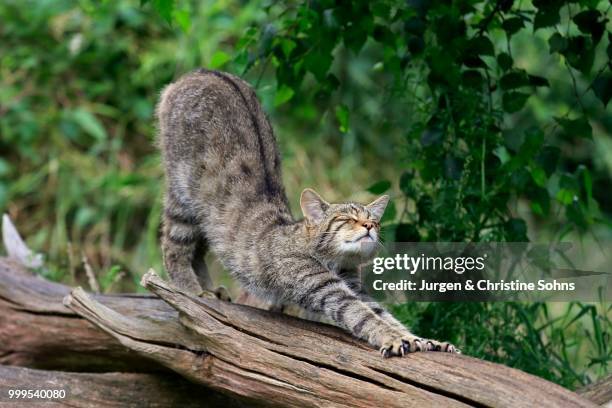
[(224, 192)]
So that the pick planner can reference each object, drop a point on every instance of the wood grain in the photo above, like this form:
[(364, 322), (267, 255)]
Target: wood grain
[(120, 390)]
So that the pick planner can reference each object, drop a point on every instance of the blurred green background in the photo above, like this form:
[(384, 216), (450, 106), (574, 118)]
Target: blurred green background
[(365, 98)]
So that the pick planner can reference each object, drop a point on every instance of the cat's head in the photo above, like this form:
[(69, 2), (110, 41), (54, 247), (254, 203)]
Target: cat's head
[(346, 233)]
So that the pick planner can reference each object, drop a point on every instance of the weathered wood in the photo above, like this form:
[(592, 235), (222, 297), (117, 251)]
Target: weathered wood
[(257, 355), (121, 390), (599, 392), (268, 357), (37, 330)]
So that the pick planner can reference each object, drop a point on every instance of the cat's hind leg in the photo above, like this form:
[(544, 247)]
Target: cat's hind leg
[(180, 238), (202, 274)]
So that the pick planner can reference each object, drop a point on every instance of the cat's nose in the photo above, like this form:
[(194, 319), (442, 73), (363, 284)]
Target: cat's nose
[(368, 225)]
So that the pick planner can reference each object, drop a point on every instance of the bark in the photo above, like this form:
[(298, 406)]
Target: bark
[(38, 331), (93, 390), (251, 354), (599, 392)]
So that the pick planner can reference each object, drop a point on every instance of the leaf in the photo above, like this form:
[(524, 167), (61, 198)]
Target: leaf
[(390, 213), (183, 20), (342, 114), (535, 80), (547, 158), (164, 8), (588, 23), (407, 233), (283, 95), (219, 59), (452, 167), (287, 46), (472, 61), (540, 201), (505, 61), (318, 62), (580, 53), (406, 183), (416, 45), (381, 10), (546, 17), (587, 182), (472, 78), (569, 182), (480, 45), (356, 34), (514, 101), (579, 127), (379, 187), (89, 123), (415, 26), (517, 230), (502, 154), (431, 136), (513, 80), (539, 176), (5, 167), (564, 196), (557, 43), (602, 87), (512, 25), (267, 37)]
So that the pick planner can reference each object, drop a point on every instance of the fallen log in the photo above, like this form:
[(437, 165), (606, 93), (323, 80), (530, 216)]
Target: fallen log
[(38, 331), (250, 354), (92, 390), (263, 356), (600, 392)]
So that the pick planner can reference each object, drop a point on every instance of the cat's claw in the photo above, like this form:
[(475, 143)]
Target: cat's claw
[(401, 346), (223, 294), (444, 347), (220, 293)]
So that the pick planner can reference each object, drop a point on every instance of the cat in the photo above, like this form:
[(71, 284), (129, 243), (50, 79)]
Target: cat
[(224, 193)]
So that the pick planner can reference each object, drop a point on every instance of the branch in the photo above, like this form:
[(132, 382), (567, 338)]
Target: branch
[(269, 357), (599, 392)]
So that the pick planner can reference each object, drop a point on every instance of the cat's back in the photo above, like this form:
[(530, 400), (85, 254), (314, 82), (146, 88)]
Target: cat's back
[(216, 141)]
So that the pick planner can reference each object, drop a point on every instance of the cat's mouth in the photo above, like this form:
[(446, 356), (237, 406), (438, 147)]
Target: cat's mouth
[(364, 238)]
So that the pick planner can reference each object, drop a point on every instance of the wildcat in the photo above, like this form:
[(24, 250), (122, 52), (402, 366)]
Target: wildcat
[(224, 193)]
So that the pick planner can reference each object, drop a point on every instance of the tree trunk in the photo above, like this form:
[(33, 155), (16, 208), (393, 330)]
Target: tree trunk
[(246, 353)]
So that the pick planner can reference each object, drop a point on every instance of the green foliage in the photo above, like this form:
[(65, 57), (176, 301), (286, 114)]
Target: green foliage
[(543, 339), (468, 84)]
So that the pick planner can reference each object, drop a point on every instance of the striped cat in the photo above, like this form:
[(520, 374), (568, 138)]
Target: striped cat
[(224, 193)]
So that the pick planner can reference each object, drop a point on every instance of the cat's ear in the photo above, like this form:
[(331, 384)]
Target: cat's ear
[(377, 207), (313, 206)]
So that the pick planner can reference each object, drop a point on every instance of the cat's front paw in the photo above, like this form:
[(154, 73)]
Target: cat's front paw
[(399, 345)]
